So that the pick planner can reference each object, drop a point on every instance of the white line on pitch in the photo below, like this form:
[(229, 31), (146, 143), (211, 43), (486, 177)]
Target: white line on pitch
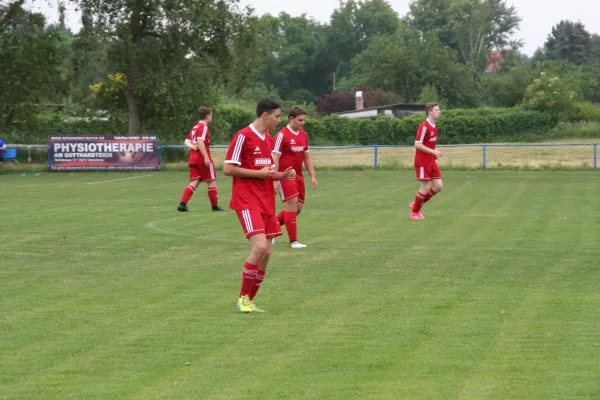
[(122, 179)]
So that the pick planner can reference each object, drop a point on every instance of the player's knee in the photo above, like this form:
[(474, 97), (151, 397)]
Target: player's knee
[(261, 249), (438, 187)]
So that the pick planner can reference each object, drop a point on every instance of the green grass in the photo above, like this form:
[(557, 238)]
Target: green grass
[(107, 291)]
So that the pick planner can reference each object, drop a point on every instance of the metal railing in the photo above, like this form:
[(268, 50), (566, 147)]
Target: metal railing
[(407, 150)]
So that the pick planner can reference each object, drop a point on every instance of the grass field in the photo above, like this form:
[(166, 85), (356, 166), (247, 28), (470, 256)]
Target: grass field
[(107, 292)]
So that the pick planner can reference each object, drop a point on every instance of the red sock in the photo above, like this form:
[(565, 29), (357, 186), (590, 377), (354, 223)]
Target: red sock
[(187, 193), (260, 275), (429, 195), (248, 277), (281, 218), (290, 225), (419, 200), (212, 195)]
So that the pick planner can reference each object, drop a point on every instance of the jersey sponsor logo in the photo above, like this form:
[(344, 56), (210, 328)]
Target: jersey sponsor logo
[(297, 149), (433, 139), (263, 162)]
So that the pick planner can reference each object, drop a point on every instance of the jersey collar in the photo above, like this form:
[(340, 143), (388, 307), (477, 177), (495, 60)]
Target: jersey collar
[(260, 135)]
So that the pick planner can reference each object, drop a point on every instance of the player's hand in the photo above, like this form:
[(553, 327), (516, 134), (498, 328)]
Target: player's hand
[(289, 173), (314, 183), (266, 172), (207, 163), (438, 154)]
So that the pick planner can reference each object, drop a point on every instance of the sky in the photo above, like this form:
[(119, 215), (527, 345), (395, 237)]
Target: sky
[(538, 16)]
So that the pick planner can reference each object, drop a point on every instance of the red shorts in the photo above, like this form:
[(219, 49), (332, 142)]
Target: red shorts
[(428, 172), (202, 172), (290, 189), (254, 222)]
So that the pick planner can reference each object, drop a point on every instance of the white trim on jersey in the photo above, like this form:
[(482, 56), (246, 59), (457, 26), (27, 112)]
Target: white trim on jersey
[(204, 132), (423, 132), (237, 151), (291, 130), (278, 140), (247, 221), (430, 123), (260, 135)]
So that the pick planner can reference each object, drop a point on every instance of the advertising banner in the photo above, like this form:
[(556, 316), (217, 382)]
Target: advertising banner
[(103, 153)]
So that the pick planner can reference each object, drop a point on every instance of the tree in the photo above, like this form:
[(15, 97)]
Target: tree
[(292, 66), (594, 48), (400, 61), (173, 53), (30, 61), (352, 28), (9, 11), (568, 41), (471, 27)]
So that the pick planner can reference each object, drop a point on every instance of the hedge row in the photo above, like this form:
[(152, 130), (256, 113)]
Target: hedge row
[(456, 126)]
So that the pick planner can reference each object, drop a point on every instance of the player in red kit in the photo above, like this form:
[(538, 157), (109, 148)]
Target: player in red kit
[(428, 173), (291, 150), (200, 163), (251, 165)]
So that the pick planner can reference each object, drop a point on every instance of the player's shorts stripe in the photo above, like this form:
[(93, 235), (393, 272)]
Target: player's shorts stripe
[(422, 172), (212, 171), (247, 220), (237, 151)]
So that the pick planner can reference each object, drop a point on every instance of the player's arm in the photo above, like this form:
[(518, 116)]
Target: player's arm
[(191, 145), (232, 169), (276, 154), (311, 169), (420, 146), (202, 147), (288, 174), (276, 157)]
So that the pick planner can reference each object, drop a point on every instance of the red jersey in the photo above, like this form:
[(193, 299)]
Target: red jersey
[(251, 149), (199, 132), (426, 134), (291, 146)]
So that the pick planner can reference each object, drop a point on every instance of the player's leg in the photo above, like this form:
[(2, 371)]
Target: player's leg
[(300, 207), (436, 183), (254, 229), (296, 203), (288, 190), (272, 230), (189, 190), (425, 182), (301, 194), (213, 195), (208, 175)]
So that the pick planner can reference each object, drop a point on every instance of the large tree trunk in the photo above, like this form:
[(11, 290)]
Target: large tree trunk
[(138, 117)]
